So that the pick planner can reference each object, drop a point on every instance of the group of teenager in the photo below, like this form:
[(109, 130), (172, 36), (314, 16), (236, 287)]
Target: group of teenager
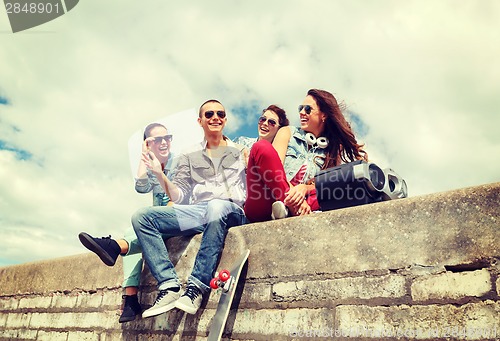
[(218, 184)]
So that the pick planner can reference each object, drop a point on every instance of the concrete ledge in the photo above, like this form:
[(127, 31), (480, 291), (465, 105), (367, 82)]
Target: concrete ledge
[(374, 266), (450, 228), (444, 229)]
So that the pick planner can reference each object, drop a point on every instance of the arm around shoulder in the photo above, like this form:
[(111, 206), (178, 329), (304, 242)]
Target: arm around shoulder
[(281, 140)]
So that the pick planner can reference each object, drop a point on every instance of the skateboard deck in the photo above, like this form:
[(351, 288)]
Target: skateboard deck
[(228, 289)]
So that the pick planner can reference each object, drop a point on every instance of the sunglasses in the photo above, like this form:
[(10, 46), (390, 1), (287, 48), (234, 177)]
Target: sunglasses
[(270, 121), (210, 114), (159, 139), (307, 109)]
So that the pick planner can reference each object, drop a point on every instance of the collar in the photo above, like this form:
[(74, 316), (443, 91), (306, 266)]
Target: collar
[(224, 137)]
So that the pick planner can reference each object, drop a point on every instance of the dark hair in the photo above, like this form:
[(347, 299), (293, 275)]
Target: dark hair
[(151, 126), (209, 101), (342, 144), (283, 120)]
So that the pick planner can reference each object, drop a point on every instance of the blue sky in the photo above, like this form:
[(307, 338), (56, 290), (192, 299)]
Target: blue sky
[(419, 81)]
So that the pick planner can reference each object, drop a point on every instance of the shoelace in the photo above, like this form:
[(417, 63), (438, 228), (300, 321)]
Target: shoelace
[(161, 294), (192, 292)]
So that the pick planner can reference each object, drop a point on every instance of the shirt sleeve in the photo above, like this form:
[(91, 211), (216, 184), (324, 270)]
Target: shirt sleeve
[(182, 178)]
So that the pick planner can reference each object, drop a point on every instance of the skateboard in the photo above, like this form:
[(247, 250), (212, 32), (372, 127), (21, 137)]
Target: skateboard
[(226, 281)]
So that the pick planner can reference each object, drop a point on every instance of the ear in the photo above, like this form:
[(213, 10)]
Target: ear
[(323, 119), (199, 121)]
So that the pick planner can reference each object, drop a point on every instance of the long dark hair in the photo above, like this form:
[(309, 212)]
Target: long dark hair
[(342, 146)]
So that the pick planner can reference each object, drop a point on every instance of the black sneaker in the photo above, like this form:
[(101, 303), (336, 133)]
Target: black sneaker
[(106, 248), (131, 308)]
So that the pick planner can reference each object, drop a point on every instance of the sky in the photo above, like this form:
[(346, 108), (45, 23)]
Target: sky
[(419, 81)]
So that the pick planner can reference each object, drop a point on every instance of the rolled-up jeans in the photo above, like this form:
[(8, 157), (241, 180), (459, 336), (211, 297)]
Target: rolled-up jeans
[(213, 219), (132, 260)]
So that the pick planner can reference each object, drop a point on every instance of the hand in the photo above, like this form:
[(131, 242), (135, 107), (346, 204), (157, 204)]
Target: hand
[(151, 162), (146, 144), (296, 196), (302, 209)]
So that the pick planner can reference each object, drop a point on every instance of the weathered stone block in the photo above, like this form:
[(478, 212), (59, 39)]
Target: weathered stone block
[(105, 320), (9, 303), (63, 301), (18, 320), (272, 324), (52, 336), (112, 298), (256, 293), (25, 334), (87, 300), (83, 336), (420, 322), (35, 302), (451, 285), (9, 334), (342, 288), (3, 320)]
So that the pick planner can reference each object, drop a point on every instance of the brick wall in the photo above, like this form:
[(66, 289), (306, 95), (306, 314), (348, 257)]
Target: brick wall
[(424, 268)]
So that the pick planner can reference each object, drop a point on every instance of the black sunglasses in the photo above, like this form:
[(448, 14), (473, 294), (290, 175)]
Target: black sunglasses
[(209, 114), (307, 109), (167, 138), (270, 121)]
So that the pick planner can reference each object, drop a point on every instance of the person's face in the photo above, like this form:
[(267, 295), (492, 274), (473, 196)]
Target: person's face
[(268, 125), (311, 119), (161, 145), (213, 118)]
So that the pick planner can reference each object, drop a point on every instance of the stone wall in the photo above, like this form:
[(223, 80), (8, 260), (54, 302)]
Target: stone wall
[(422, 268)]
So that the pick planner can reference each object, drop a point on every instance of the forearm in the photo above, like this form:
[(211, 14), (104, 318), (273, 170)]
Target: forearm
[(170, 189), (142, 171)]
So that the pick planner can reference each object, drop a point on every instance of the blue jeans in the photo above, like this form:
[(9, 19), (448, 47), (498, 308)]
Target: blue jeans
[(213, 218)]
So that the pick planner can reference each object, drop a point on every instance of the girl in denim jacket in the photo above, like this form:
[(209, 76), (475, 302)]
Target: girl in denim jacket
[(280, 176)]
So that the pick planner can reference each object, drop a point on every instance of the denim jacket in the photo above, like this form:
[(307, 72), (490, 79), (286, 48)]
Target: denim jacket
[(297, 154), (198, 180), (246, 141), (151, 183)]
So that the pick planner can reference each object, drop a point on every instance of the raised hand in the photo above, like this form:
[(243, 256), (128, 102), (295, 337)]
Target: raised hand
[(152, 162)]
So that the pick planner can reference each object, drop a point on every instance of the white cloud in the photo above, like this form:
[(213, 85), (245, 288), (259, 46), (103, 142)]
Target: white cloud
[(422, 75)]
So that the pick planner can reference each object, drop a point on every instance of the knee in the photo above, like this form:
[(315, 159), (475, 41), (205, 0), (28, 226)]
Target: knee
[(218, 208), (139, 218)]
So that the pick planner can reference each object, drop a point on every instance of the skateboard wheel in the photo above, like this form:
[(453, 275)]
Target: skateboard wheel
[(214, 283), (224, 275)]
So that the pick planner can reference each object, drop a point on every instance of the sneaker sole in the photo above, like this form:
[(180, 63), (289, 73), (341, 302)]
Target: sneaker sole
[(277, 211), (186, 309), (157, 311), (127, 319), (90, 244)]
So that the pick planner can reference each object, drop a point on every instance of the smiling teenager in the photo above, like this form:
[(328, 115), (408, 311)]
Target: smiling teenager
[(208, 189), (157, 141), (272, 119), (280, 177)]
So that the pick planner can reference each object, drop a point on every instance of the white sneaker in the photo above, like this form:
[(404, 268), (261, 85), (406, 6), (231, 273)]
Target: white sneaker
[(279, 210), (164, 302), (190, 301)]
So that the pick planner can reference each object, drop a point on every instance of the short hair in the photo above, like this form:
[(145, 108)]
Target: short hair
[(209, 101), (283, 120)]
